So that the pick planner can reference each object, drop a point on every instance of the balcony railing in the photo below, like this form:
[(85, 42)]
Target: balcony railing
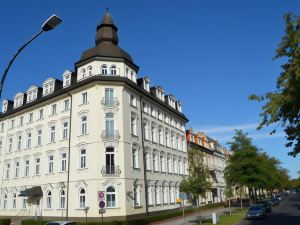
[(111, 171), (110, 102), (110, 135)]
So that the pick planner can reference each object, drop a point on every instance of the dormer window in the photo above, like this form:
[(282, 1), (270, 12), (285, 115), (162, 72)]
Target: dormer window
[(147, 85), (83, 73), (179, 106), (31, 94), (104, 69), (67, 76), (113, 70), (18, 100), (4, 106), (48, 86)]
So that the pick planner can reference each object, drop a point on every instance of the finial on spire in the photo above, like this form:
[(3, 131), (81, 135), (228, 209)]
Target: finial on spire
[(106, 9)]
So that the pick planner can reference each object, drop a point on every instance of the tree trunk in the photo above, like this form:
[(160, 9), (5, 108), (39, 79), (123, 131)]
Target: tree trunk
[(250, 193), (241, 201), (255, 194), (229, 207)]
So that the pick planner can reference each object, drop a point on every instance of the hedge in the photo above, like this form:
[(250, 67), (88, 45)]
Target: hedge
[(142, 221), (5, 221)]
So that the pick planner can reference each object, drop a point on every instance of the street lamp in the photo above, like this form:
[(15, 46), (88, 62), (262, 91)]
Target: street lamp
[(49, 24)]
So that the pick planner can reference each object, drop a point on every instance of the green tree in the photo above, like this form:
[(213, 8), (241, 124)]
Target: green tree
[(282, 106)]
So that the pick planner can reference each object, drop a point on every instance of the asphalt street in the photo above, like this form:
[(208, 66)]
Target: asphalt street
[(287, 213)]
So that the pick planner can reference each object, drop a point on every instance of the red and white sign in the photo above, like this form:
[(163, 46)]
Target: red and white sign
[(101, 198)]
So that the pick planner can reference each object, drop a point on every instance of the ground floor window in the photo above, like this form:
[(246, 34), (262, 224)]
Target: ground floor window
[(82, 198), (111, 197)]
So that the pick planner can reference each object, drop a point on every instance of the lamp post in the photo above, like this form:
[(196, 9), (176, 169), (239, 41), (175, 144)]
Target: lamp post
[(49, 24)]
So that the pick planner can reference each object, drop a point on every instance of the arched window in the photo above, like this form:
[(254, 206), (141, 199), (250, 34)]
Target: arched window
[(113, 70), (90, 70), (104, 69), (62, 199), (14, 201), (83, 72), (110, 161), (49, 200), (82, 198), (5, 201), (111, 197)]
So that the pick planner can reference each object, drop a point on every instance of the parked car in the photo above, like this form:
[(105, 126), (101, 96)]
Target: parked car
[(275, 201), (267, 204), (256, 212), (61, 223), (279, 197)]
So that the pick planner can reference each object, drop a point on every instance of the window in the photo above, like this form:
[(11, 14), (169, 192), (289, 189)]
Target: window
[(7, 172), (148, 161), (37, 166), (67, 80), (28, 140), (157, 195), (19, 142), (135, 157), (104, 70), (12, 123), (5, 201), (82, 198), (39, 137), (2, 127), (83, 129), (113, 70), (53, 109), (24, 203), (30, 118), (1, 142), (17, 169), (153, 133), (145, 107), (165, 195), (65, 130), (109, 125), (41, 114), (155, 162), (169, 165), (175, 165), (49, 200), (83, 72), (162, 163), (63, 162), (66, 104), (160, 136), (21, 121), (167, 137), (10, 141), (50, 164), (82, 160), (147, 85), (109, 99), (132, 100), (26, 170), (83, 99), (146, 130), (110, 161), (62, 199), (52, 134), (133, 124), (136, 195), (14, 201), (111, 197), (90, 70)]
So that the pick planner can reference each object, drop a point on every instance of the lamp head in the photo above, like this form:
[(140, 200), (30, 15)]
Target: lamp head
[(51, 23)]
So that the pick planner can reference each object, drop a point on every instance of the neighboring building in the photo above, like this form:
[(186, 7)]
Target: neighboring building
[(214, 157), (99, 129)]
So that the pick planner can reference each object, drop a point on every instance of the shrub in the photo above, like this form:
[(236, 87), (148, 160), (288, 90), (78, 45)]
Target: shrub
[(5, 221)]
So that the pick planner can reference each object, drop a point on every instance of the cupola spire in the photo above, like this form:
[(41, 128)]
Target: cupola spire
[(106, 30)]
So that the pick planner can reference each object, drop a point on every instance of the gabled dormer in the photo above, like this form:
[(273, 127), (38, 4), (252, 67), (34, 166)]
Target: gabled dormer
[(7, 105), (158, 92), (179, 106), (67, 78), (50, 85), (33, 93), (144, 82), (170, 100), (19, 99)]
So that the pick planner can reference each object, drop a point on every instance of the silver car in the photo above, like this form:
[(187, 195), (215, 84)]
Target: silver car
[(256, 212)]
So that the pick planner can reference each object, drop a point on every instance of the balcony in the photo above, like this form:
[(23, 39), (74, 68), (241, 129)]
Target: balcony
[(110, 102), (111, 171), (110, 135)]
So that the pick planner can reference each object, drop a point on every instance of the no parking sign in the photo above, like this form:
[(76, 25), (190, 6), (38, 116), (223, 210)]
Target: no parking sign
[(101, 198)]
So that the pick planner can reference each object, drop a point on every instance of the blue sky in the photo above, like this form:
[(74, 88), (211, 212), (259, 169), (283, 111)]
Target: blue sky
[(210, 54)]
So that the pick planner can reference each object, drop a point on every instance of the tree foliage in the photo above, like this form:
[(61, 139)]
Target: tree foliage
[(282, 106), (198, 181)]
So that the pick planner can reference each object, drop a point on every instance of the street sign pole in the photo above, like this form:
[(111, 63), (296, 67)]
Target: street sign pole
[(183, 211)]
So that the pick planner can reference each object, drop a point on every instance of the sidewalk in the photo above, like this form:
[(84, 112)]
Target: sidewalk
[(188, 220)]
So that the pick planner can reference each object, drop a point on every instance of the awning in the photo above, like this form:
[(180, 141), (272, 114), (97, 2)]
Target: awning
[(32, 192)]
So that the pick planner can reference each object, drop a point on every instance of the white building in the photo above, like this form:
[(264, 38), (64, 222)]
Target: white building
[(99, 129)]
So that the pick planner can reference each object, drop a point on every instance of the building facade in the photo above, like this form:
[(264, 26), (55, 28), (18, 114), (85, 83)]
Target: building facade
[(214, 158), (99, 129)]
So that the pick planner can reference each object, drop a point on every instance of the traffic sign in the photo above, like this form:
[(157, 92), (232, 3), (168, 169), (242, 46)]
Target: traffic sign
[(102, 204), (101, 211), (182, 195)]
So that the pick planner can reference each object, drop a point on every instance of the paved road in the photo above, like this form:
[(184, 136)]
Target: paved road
[(287, 213)]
